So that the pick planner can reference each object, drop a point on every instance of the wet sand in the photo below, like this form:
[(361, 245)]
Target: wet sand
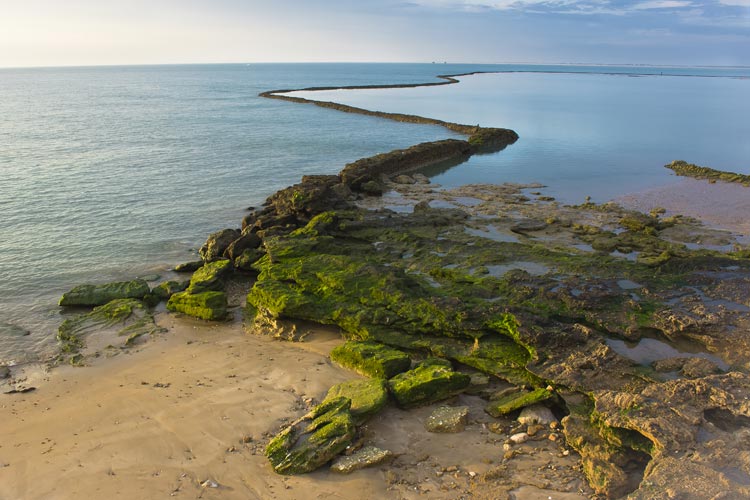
[(720, 204), (187, 415)]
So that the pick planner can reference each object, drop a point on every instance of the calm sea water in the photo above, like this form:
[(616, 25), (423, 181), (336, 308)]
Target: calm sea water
[(110, 173)]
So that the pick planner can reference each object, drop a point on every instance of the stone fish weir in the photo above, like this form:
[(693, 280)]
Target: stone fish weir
[(425, 320)]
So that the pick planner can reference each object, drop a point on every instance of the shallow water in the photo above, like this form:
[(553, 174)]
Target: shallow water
[(116, 172)]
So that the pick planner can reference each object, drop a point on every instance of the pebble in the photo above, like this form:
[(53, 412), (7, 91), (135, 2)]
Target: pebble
[(519, 438), (536, 414)]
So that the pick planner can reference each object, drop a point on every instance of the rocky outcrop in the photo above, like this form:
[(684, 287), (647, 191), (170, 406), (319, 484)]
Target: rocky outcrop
[(368, 396), (686, 169), (217, 243), (98, 295), (210, 305)]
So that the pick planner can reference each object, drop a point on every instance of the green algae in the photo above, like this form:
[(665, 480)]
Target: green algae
[(210, 277), (430, 381), (210, 305), (165, 290), (314, 439), (368, 396), (517, 400), (686, 169), (97, 295), (371, 359)]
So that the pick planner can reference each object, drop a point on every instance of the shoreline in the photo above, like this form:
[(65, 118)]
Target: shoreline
[(286, 202)]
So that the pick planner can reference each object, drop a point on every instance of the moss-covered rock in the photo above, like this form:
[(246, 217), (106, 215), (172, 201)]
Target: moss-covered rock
[(247, 258), (516, 400), (210, 305), (97, 295), (371, 359), (314, 439), (427, 383), (165, 290), (368, 396), (188, 267), (127, 318), (210, 277)]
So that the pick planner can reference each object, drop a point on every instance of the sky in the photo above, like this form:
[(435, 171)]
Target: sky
[(107, 32)]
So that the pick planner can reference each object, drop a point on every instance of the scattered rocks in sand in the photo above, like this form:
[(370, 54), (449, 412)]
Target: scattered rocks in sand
[(536, 414), (448, 419), (314, 439), (430, 381), (371, 359), (365, 457)]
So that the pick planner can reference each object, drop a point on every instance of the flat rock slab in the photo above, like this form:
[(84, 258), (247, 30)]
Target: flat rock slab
[(430, 381), (515, 401), (366, 457), (368, 396), (371, 359), (448, 419), (98, 295)]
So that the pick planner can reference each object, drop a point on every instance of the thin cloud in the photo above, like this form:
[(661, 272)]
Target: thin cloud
[(661, 4)]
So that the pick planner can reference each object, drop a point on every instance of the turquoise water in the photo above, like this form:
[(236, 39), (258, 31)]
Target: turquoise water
[(110, 173)]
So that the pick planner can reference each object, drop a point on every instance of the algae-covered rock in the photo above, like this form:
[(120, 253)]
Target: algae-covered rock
[(217, 243), (210, 277), (427, 383), (371, 359), (188, 267), (211, 305), (97, 295), (447, 419), (515, 401), (247, 258), (314, 439), (248, 241), (121, 317), (366, 457), (368, 396), (165, 290)]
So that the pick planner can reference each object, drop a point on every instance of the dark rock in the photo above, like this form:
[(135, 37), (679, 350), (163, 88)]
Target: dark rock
[(188, 267), (217, 243), (4, 372), (246, 260), (528, 226), (97, 295), (248, 241), (165, 290), (313, 440)]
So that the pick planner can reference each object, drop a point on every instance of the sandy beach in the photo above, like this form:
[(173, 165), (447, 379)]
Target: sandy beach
[(187, 415)]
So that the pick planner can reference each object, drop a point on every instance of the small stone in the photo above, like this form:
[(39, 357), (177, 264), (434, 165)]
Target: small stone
[(448, 419), (404, 179), (536, 414), (496, 428), (366, 457), (553, 437), (534, 429), (472, 474), (566, 453), (519, 438), (209, 483), (507, 447)]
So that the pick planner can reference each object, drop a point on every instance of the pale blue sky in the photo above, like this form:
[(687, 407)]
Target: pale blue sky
[(90, 32)]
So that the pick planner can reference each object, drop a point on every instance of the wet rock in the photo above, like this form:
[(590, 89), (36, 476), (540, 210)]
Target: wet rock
[(313, 195), (479, 383), (668, 365), (248, 241), (97, 295), (528, 226), (536, 414), (312, 440), (366, 457), (519, 438), (210, 305), (373, 188), (165, 290), (515, 401), (246, 260), (188, 267), (371, 359), (404, 179), (127, 318), (4, 372), (430, 381), (12, 330), (421, 178), (210, 277), (699, 367), (448, 419), (368, 396), (217, 243)]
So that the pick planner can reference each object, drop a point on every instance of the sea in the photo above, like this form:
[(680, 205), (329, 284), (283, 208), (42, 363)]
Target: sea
[(111, 173)]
